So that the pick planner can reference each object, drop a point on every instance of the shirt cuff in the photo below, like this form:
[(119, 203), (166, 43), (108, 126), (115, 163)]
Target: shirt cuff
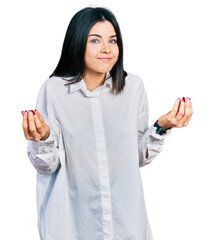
[(43, 146), (152, 132)]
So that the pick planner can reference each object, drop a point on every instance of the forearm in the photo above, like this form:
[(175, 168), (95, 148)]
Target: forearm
[(150, 145), (44, 155)]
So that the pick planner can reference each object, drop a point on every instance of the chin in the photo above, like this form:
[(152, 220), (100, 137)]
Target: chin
[(101, 70), (105, 70)]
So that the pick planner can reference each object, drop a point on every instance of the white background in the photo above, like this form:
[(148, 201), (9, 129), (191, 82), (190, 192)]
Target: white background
[(170, 45)]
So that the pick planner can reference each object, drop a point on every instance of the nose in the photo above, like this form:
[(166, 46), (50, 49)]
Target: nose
[(105, 48)]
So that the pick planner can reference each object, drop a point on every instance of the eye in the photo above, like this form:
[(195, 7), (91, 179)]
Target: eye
[(114, 40), (94, 40)]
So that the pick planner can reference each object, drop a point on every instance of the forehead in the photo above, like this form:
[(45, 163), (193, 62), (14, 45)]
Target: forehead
[(104, 28)]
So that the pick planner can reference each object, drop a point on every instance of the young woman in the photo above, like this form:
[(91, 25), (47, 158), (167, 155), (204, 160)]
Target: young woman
[(89, 136)]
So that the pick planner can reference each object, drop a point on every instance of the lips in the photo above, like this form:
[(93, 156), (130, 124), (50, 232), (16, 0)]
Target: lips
[(104, 58)]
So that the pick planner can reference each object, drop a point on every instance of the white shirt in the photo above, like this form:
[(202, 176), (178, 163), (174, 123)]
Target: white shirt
[(88, 170)]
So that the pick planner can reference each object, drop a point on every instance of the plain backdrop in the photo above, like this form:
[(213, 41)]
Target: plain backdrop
[(170, 45)]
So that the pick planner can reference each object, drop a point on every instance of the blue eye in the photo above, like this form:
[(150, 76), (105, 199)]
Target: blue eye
[(96, 41), (93, 41), (115, 41)]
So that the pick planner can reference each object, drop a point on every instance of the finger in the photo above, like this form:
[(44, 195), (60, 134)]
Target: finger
[(174, 111), (187, 122), (191, 109), (190, 112), (39, 116), (42, 127), (181, 110), (32, 127), (38, 124), (25, 126), (186, 112)]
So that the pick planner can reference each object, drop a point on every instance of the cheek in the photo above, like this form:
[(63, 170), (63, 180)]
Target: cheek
[(90, 56), (116, 54), (116, 51)]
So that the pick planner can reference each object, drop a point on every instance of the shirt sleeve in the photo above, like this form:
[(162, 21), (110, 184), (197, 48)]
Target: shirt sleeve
[(147, 136), (44, 155)]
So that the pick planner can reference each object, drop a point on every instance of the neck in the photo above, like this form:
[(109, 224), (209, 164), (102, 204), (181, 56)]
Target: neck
[(94, 80)]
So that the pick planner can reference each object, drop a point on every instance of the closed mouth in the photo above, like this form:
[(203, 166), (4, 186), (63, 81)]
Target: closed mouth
[(105, 58)]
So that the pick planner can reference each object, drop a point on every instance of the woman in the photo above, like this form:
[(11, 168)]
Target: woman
[(89, 137)]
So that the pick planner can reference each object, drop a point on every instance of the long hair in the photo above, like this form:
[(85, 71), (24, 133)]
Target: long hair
[(72, 63)]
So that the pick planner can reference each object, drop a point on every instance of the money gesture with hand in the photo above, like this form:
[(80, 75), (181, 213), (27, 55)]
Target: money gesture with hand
[(34, 126), (179, 116)]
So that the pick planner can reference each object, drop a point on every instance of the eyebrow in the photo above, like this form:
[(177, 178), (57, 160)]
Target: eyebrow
[(97, 35)]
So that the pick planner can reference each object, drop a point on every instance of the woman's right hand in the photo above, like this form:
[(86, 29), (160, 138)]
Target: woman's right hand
[(34, 126)]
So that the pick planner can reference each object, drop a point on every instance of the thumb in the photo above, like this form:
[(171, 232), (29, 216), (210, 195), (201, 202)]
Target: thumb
[(175, 108)]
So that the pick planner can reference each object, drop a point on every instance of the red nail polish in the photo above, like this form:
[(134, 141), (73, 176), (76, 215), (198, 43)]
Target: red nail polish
[(183, 99), (32, 112)]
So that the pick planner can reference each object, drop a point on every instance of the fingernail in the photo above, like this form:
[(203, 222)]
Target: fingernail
[(178, 100), (183, 99), (22, 112), (30, 113), (189, 98)]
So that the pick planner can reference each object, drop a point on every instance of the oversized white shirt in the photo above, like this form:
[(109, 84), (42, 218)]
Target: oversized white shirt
[(88, 170)]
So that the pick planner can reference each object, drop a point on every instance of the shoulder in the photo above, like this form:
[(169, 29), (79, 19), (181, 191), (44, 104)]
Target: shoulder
[(53, 82), (134, 81), (54, 86)]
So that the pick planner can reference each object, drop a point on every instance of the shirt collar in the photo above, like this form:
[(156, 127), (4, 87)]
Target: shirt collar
[(76, 86)]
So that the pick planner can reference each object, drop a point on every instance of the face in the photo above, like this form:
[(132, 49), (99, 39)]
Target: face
[(101, 51)]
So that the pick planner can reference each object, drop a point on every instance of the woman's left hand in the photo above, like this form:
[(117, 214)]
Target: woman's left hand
[(179, 116)]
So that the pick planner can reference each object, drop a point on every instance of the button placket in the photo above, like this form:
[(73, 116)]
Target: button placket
[(102, 168)]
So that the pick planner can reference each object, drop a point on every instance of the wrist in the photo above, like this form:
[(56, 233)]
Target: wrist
[(159, 129), (162, 124), (45, 137)]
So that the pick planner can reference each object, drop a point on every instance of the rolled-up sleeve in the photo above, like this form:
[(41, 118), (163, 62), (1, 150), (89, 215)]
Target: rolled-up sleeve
[(147, 136), (44, 155)]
